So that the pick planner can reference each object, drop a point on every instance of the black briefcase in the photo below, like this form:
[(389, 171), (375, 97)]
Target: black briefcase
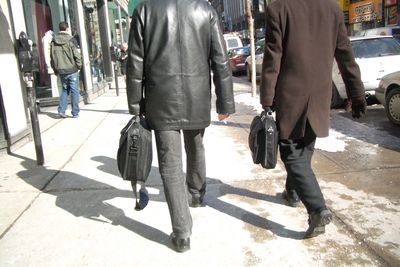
[(135, 155), (263, 140)]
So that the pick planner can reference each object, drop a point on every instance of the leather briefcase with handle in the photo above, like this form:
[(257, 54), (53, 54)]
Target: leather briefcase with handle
[(135, 155), (263, 140)]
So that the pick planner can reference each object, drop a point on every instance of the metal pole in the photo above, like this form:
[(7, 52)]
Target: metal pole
[(121, 30), (105, 38), (28, 78), (5, 125), (116, 78), (252, 48)]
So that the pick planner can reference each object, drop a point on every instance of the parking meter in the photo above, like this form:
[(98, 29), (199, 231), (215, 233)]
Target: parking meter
[(24, 53), (114, 53), (28, 63), (27, 55)]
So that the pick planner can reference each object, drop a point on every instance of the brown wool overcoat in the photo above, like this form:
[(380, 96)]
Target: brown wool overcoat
[(302, 39)]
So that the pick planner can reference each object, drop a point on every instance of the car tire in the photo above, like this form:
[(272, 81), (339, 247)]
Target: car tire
[(248, 72), (336, 101), (392, 106)]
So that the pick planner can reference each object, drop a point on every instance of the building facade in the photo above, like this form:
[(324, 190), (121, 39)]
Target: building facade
[(369, 14), (358, 14), (232, 15), (234, 11), (96, 24)]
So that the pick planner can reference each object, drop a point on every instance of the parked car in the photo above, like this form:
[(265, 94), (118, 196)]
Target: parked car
[(388, 93), (259, 56), (390, 30), (376, 57), (238, 57), (232, 41)]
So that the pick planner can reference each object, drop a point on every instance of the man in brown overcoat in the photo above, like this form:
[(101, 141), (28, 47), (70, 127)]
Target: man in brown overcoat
[(302, 39)]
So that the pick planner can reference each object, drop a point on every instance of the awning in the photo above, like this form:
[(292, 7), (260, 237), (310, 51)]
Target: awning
[(132, 5), (123, 4)]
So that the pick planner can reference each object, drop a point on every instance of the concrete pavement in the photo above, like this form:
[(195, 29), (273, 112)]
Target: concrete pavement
[(76, 210)]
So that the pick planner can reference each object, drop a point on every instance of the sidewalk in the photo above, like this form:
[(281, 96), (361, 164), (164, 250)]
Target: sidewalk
[(77, 211)]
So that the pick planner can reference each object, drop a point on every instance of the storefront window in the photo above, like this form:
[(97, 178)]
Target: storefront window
[(391, 15), (42, 18), (38, 22), (93, 40)]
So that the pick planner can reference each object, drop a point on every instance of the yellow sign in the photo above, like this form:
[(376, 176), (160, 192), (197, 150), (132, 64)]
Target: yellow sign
[(344, 4), (367, 10)]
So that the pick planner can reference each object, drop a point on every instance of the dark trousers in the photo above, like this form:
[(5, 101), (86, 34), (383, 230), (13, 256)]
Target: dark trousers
[(169, 151), (296, 154)]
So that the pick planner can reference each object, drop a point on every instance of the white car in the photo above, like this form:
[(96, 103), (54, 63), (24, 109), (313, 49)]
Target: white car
[(232, 41), (376, 57), (388, 93), (259, 56)]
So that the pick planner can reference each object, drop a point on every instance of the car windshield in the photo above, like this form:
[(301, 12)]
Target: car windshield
[(368, 48), (232, 42)]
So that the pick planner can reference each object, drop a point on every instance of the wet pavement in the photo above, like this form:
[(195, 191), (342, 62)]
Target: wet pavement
[(76, 211)]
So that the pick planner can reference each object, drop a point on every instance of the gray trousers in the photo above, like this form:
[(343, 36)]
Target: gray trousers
[(169, 151), (296, 154)]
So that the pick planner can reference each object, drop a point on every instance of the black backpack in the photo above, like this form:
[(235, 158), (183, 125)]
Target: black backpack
[(135, 155), (263, 140)]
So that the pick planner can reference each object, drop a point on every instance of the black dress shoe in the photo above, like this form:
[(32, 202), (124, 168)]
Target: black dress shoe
[(181, 244), (317, 222), (291, 197)]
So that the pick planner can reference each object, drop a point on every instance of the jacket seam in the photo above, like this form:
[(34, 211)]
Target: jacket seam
[(180, 55)]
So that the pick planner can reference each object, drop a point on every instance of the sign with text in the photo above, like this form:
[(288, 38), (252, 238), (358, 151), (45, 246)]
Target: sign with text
[(367, 10), (391, 15), (390, 2)]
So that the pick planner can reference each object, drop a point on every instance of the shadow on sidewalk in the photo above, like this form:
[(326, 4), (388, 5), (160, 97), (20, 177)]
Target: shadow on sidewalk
[(113, 111), (68, 188), (53, 115), (231, 124), (93, 203), (213, 201)]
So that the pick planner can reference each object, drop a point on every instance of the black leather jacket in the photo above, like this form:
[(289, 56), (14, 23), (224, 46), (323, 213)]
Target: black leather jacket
[(173, 47)]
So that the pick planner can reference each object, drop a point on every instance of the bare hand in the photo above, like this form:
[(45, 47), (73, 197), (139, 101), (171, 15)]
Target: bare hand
[(222, 117)]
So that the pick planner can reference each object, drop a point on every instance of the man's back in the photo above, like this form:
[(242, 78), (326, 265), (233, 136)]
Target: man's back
[(310, 31), (302, 39), (65, 58), (177, 37), (174, 44)]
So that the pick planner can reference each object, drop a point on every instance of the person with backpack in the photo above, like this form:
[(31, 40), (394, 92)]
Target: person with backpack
[(66, 62)]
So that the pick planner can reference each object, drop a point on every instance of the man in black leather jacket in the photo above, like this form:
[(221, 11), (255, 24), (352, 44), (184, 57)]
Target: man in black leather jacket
[(173, 47)]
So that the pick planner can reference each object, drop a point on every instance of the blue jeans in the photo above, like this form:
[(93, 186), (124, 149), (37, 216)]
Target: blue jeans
[(169, 151), (70, 84)]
